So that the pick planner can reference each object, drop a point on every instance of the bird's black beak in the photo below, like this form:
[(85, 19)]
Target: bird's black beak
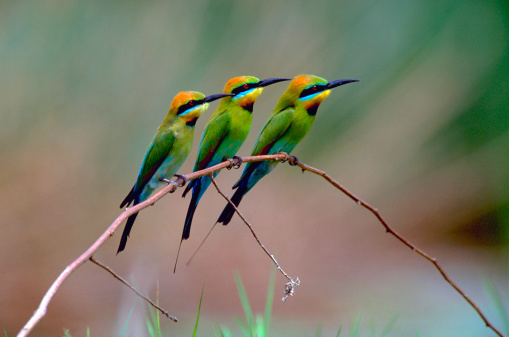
[(215, 97), (269, 81), (337, 83)]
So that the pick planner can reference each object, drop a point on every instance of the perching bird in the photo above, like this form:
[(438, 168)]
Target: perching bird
[(288, 123), (224, 134), (168, 150)]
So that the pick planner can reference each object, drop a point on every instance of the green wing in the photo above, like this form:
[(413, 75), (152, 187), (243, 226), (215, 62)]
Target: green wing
[(158, 151), (275, 127), (272, 131), (216, 130)]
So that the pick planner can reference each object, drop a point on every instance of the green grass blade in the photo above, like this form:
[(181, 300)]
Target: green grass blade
[(356, 326), (198, 314), (244, 327), (389, 325), (152, 321), (150, 327), (158, 319), (339, 330), (124, 329), (496, 297), (245, 301), (260, 327), (221, 331)]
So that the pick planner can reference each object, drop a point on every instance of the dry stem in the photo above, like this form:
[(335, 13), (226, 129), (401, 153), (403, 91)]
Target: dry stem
[(109, 270), (41, 310), (292, 283)]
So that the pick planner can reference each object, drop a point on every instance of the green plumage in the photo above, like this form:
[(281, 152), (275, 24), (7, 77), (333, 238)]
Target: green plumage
[(224, 134), (167, 151), (287, 125)]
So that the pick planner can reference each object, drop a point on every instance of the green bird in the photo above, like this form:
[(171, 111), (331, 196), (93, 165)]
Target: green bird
[(224, 134), (287, 125), (167, 151)]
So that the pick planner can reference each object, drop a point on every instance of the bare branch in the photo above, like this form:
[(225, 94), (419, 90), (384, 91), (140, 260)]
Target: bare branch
[(304, 167), (41, 310), (108, 269), (292, 283)]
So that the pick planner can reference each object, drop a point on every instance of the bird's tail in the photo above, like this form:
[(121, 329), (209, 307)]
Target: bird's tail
[(192, 208), (128, 199), (228, 211), (125, 233), (189, 187)]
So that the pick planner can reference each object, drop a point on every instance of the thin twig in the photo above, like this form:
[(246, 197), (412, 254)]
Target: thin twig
[(388, 229), (292, 283), (41, 310), (201, 244), (108, 269), (43, 306)]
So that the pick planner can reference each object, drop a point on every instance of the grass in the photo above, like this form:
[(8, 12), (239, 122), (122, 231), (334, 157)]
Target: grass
[(254, 325)]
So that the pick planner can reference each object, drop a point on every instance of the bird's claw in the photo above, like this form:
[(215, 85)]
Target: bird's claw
[(285, 159), (293, 161), (169, 182), (239, 162), (235, 162), (181, 177), (164, 180)]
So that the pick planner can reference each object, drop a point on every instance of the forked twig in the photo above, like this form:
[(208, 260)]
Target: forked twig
[(41, 310), (108, 269), (293, 161), (292, 283), (172, 187)]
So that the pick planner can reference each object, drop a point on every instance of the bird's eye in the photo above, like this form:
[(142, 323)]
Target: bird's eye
[(312, 90), (242, 88), (187, 106)]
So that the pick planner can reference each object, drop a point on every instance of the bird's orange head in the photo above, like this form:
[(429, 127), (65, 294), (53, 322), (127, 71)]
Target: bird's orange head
[(310, 91), (246, 90), (189, 105)]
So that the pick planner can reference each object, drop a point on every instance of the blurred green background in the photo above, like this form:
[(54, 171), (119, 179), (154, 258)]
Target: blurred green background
[(424, 137)]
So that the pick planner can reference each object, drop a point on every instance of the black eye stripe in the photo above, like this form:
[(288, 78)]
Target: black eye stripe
[(312, 90), (243, 87), (188, 105)]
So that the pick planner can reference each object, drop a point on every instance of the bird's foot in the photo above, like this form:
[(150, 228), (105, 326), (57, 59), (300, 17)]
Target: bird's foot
[(164, 180), (285, 159), (235, 162), (184, 179), (293, 160), (169, 182), (239, 162)]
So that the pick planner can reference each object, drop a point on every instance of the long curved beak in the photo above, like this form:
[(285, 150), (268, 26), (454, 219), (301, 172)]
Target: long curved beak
[(215, 97), (337, 83), (269, 81)]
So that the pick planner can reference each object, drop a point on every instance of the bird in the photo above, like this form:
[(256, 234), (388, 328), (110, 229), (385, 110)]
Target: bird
[(287, 125), (224, 134), (167, 151)]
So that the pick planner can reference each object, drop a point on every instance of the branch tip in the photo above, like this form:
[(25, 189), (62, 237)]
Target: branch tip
[(289, 290)]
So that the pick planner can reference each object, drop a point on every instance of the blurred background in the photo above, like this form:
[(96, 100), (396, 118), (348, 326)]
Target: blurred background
[(424, 137)]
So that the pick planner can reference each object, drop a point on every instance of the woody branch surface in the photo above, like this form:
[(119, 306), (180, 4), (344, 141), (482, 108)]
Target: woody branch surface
[(41, 310), (43, 306)]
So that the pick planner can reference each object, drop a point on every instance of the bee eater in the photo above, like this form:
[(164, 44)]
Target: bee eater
[(167, 151), (224, 134), (287, 125)]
